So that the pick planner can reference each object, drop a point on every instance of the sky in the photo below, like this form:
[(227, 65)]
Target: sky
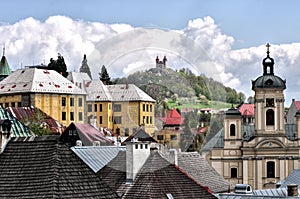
[(224, 40)]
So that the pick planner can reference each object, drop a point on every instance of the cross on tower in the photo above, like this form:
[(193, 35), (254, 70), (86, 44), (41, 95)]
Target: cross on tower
[(268, 48)]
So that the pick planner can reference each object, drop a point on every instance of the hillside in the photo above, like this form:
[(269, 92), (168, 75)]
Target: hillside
[(167, 83)]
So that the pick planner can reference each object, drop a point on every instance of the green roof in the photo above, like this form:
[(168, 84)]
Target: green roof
[(4, 67)]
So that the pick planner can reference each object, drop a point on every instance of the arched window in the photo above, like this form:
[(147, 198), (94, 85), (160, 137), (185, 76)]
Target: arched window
[(233, 172), (232, 130), (270, 117), (270, 169)]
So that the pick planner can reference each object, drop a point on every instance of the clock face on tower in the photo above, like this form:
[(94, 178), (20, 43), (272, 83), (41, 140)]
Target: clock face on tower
[(270, 102)]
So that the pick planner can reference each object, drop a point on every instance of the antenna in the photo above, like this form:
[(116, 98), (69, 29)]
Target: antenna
[(4, 50)]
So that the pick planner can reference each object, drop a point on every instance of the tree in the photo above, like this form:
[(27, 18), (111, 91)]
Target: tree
[(58, 65), (104, 76), (85, 67), (36, 123)]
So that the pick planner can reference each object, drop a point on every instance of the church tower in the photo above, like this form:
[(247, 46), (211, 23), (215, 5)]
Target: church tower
[(4, 67), (269, 100)]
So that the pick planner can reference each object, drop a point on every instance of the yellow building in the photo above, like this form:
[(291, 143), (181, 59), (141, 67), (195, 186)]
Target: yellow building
[(123, 108), (44, 89)]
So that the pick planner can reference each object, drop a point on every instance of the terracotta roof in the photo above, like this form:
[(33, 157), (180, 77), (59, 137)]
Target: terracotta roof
[(247, 109), (128, 92), (23, 113), (158, 177), (172, 118), (38, 81), (86, 133), (297, 104), (42, 167)]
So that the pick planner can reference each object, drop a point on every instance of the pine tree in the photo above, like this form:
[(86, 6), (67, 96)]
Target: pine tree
[(85, 67), (104, 76), (58, 65)]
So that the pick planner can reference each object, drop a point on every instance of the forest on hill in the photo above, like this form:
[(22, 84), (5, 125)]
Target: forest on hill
[(167, 83)]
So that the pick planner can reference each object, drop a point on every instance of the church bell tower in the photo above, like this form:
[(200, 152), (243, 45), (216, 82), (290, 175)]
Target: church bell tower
[(269, 99)]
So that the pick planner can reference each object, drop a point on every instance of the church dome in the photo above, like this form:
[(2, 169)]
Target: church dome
[(268, 79), (232, 112)]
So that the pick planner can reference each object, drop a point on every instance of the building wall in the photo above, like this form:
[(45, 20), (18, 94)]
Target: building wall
[(51, 104), (102, 112)]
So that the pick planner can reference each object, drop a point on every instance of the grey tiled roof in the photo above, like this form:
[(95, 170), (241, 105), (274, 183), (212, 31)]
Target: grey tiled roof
[(96, 157), (97, 91), (38, 81), (45, 168), (200, 170), (292, 178), (215, 142), (129, 92), (158, 177)]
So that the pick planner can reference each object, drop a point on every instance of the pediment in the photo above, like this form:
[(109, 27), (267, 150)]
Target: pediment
[(270, 143)]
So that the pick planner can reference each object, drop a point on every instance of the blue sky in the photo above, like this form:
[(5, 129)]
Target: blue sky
[(250, 22), (231, 34)]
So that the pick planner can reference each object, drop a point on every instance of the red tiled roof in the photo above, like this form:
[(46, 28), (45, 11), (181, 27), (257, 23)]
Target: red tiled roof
[(297, 104), (23, 113), (247, 109), (173, 118)]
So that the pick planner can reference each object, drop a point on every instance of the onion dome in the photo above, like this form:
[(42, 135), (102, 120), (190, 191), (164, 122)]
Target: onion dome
[(268, 79)]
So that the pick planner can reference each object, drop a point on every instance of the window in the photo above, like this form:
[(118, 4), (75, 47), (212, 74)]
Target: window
[(63, 116), (173, 137), (71, 116), (13, 104), (19, 104), (232, 130), (118, 120), (147, 120), (126, 131), (71, 101), (117, 107), (80, 116), (63, 101), (144, 107), (147, 108), (160, 137), (150, 119), (100, 120), (270, 169), (95, 107), (150, 107), (141, 146), (233, 172), (270, 102), (90, 108), (100, 107), (270, 117), (1, 104), (136, 146), (6, 105), (146, 146), (80, 102)]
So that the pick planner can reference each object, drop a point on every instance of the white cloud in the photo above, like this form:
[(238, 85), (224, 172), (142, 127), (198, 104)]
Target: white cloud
[(201, 45)]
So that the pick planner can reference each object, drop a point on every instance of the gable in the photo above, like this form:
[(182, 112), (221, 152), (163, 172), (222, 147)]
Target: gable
[(269, 144)]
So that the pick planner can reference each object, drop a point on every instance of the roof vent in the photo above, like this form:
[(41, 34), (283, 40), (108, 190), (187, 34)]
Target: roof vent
[(78, 143), (243, 189), (96, 143)]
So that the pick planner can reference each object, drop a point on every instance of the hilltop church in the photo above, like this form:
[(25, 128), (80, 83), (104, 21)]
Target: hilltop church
[(260, 153)]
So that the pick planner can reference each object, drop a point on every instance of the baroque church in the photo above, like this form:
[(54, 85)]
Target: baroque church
[(264, 152)]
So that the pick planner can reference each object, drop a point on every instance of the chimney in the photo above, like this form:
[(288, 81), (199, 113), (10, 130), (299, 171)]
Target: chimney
[(292, 190), (174, 156), (136, 155)]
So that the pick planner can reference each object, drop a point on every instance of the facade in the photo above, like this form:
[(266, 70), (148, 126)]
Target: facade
[(294, 107), (170, 134), (262, 153), (123, 108), (43, 89)]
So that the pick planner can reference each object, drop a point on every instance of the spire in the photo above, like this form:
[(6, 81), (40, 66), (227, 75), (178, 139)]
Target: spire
[(268, 49), (3, 50), (268, 63)]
